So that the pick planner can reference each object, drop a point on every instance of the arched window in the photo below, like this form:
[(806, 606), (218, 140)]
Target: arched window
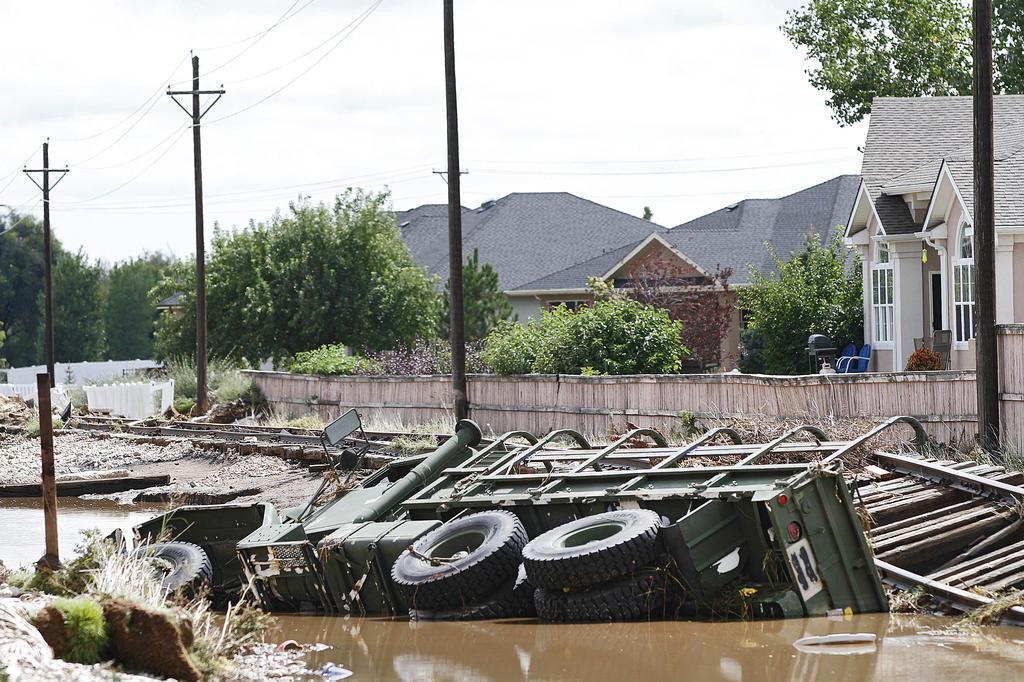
[(963, 283), (883, 307)]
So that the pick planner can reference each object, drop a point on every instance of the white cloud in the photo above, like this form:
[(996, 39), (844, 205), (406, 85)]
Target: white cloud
[(541, 84)]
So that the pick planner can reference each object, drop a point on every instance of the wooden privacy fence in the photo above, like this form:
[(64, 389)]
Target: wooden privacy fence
[(945, 401)]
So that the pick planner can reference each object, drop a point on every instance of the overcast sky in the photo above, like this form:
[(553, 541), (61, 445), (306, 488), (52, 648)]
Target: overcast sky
[(680, 106)]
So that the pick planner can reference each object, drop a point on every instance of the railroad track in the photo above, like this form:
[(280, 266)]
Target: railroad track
[(953, 530)]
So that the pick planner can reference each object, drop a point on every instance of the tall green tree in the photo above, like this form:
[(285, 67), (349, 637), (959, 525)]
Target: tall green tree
[(21, 284), (79, 303), (321, 275), (483, 302), (130, 314), (860, 49), (816, 291)]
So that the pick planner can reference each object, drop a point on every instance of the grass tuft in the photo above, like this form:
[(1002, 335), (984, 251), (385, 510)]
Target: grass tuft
[(85, 630)]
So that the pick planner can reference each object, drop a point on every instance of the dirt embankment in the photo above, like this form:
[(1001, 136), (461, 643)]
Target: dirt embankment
[(197, 475)]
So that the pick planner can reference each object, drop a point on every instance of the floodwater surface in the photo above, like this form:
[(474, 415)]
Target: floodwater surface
[(914, 648), (21, 525)]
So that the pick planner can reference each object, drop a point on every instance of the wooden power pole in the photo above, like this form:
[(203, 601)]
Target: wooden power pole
[(984, 231), (197, 112), (458, 327), (51, 558), (45, 187)]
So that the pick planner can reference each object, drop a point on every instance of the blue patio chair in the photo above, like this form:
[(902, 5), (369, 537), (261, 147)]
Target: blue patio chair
[(852, 364), (849, 351)]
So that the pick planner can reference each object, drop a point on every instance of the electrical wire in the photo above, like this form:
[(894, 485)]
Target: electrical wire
[(222, 46), (589, 162), (147, 101), (119, 137), (355, 25), (257, 38), (690, 171), (24, 216), (135, 158), (359, 18), (396, 175), (134, 177)]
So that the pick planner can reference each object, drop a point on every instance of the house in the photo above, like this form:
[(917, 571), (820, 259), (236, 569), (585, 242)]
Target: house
[(527, 237), (912, 223), (545, 246)]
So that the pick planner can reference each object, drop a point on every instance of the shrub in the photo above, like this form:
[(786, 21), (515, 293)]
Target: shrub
[(224, 378), (611, 336), (924, 360), (423, 357), (751, 351), (85, 630), (329, 359)]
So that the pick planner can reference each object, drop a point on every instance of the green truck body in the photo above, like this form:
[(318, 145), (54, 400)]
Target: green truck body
[(750, 539)]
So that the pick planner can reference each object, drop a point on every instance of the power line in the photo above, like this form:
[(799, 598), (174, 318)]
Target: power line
[(134, 158), (588, 162), (152, 97), (17, 170), (119, 137), (254, 35), (357, 24), (691, 171), (396, 175), (134, 177), (316, 47), (257, 38)]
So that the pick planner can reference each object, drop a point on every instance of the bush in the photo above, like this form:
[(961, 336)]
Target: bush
[(85, 630), (751, 351), (924, 360), (225, 382), (611, 336), (423, 357), (330, 359)]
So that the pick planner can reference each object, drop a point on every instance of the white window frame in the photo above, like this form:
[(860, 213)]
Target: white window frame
[(964, 305), (883, 297)]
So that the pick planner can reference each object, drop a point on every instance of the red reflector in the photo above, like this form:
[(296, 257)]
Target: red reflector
[(795, 531), (783, 500)]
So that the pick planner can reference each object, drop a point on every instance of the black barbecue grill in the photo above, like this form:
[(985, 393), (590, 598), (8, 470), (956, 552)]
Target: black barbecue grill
[(820, 349)]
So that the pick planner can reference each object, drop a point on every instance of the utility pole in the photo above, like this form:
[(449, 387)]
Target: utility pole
[(458, 330), (196, 115), (48, 333), (984, 231), (51, 557)]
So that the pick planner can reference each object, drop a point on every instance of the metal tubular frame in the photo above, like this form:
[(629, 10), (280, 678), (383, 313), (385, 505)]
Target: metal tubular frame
[(686, 450), (514, 459), (609, 449), (920, 437)]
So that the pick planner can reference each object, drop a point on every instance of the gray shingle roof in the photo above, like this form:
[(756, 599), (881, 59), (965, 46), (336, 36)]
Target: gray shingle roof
[(735, 236), (524, 236), (908, 136), (575, 276)]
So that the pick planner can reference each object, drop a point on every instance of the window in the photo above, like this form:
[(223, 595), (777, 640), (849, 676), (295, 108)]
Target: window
[(570, 304), (963, 284), (883, 307)]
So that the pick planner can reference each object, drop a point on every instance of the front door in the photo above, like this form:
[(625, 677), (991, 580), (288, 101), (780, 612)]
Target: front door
[(936, 288)]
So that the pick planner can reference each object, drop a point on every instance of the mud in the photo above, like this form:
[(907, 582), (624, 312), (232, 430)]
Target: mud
[(908, 648)]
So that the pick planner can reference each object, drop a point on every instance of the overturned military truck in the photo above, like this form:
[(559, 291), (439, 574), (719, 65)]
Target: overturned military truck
[(522, 526)]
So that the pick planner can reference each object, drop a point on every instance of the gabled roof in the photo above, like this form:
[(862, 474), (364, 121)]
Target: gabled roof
[(736, 236), (909, 136), (526, 237)]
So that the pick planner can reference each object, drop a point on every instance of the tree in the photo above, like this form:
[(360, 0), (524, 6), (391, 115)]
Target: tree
[(816, 291), (860, 49), (3, 335), (21, 284), (322, 275), (612, 335), (130, 315), (705, 307), (79, 303), (484, 304), (648, 213)]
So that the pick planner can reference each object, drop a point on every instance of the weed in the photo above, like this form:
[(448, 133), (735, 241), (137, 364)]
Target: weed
[(85, 630), (412, 445)]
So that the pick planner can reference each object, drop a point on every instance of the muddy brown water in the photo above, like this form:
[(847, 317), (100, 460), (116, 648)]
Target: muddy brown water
[(21, 525), (913, 648), (916, 648)]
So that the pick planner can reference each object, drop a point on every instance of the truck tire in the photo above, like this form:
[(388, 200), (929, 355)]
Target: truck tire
[(465, 561), (181, 565), (594, 549), (642, 596), (512, 601)]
